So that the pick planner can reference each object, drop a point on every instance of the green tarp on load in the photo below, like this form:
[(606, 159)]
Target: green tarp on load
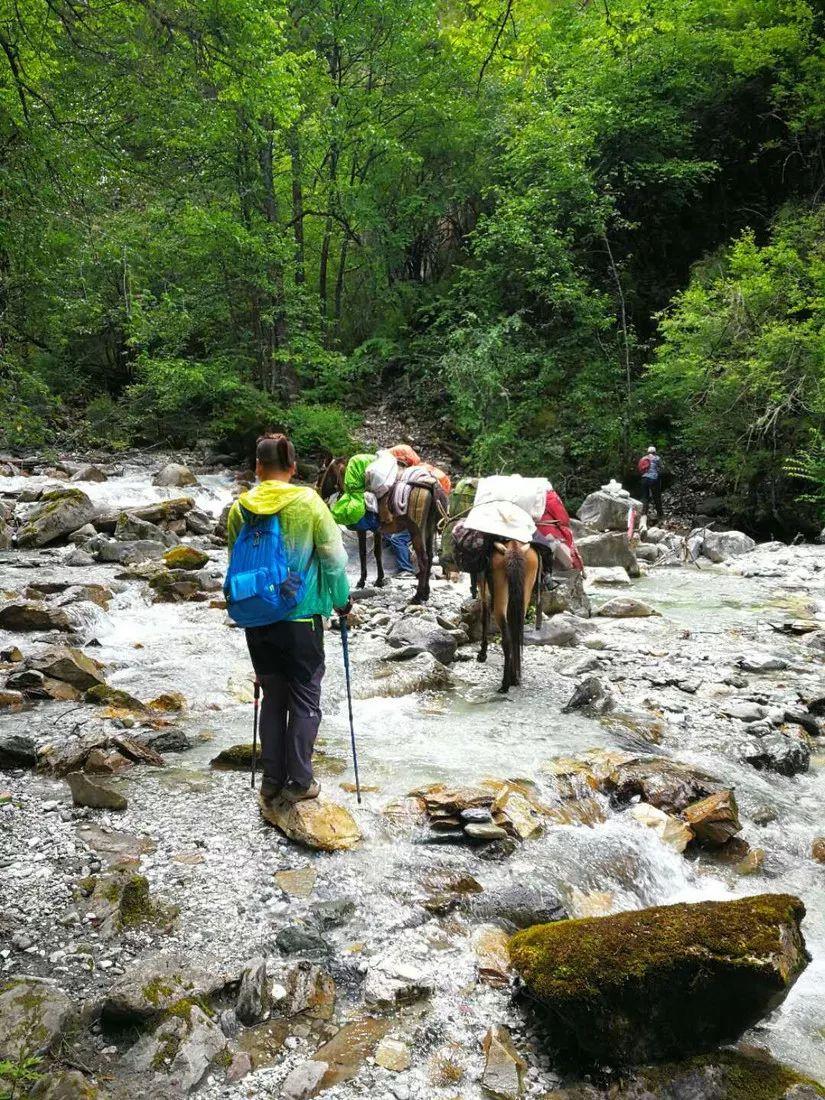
[(349, 508), (461, 501)]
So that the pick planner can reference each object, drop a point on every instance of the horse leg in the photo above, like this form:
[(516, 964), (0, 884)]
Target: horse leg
[(474, 585), (422, 591), (430, 547), (539, 579), (379, 560), (362, 555), (500, 604), (482, 591)]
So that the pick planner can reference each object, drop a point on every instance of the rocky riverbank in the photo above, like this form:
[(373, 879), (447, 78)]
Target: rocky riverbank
[(158, 935)]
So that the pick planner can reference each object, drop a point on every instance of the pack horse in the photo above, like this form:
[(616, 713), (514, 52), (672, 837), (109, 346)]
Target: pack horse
[(424, 501)]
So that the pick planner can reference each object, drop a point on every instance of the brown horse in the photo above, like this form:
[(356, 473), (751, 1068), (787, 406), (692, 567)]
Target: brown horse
[(510, 578), (425, 502)]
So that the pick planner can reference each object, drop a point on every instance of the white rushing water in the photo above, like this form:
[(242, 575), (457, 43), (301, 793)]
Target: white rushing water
[(462, 736)]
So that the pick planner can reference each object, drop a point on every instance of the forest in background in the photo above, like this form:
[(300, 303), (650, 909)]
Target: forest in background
[(561, 228)]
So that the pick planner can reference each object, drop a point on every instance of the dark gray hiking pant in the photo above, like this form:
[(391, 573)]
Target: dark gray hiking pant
[(288, 658)]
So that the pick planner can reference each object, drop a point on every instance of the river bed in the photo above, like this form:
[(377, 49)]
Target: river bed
[(230, 906)]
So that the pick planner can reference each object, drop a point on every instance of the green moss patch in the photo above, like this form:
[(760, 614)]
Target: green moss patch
[(236, 757)]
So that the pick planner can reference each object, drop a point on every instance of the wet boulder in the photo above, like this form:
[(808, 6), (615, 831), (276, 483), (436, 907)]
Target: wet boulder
[(718, 546), (715, 819), (131, 528), (174, 475), (89, 473), (126, 553), (606, 511), (33, 1015), (315, 823), (57, 514), (662, 982), (394, 679), (607, 550), (516, 905), (10, 698), (672, 832), (25, 615), (776, 751), (70, 665), (199, 522), (662, 783), (416, 634), (17, 750)]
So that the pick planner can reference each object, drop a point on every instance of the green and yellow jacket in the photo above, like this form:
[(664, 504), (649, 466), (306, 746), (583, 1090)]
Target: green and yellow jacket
[(312, 539)]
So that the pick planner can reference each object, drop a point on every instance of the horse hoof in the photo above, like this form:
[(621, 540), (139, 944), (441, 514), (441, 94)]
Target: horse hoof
[(481, 658), (380, 582), (361, 584), (503, 690)]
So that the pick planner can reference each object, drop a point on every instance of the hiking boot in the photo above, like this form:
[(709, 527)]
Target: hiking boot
[(294, 793), (270, 789)]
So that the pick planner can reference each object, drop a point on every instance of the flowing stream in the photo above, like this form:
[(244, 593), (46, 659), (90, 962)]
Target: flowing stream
[(229, 908)]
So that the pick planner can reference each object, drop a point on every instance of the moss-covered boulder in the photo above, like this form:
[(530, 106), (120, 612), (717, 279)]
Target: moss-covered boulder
[(235, 758), (185, 557), (33, 1014), (58, 513), (663, 982), (114, 697)]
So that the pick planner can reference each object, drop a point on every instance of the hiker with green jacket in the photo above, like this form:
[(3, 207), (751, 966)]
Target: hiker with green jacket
[(288, 656)]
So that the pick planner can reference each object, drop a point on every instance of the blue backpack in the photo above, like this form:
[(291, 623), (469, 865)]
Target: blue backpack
[(260, 588)]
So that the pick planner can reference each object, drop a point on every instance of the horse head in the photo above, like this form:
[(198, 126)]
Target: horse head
[(330, 477)]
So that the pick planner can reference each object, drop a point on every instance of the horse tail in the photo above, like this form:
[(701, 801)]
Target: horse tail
[(515, 569)]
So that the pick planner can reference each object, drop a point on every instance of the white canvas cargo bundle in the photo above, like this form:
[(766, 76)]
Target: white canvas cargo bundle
[(381, 475), (527, 493), (502, 519)]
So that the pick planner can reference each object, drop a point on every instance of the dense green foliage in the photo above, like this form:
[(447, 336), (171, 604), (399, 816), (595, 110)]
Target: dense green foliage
[(559, 227)]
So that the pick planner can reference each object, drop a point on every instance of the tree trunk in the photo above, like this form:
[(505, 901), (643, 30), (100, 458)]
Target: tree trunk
[(297, 204)]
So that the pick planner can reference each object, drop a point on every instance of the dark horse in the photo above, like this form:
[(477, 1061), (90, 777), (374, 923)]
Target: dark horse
[(509, 581), (427, 502)]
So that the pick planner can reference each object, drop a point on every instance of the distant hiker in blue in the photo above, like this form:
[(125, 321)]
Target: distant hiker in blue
[(287, 572), (651, 467)]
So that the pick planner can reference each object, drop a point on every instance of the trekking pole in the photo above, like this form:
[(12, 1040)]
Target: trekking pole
[(345, 647), (255, 730)]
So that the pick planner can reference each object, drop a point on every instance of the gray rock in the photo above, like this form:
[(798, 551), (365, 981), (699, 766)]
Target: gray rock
[(333, 914), (230, 1024), (589, 663), (168, 740), (127, 553), (761, 662), (626, 607), (517, 905), (606, 512), (718, 546), (295, 940), (561, 630), (254, 995), (85, 792), (391, 983), (17, 750), (591, 693), (302, 1081), (745, 711), (131, 528), (196, 1053), (239, 1067), (69, 665), (33, 1014), (29, 681), (6, 535), (152, 985), (78, 559), (483, 831), (89, 473), (174, 475), (608, 549), (82, 535), (58, 513), (65, 1085), (417, 635), (199, 522), (778, 752)]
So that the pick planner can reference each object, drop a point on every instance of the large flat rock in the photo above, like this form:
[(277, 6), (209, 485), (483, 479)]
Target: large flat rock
[(33, 1014), (315, 823)]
